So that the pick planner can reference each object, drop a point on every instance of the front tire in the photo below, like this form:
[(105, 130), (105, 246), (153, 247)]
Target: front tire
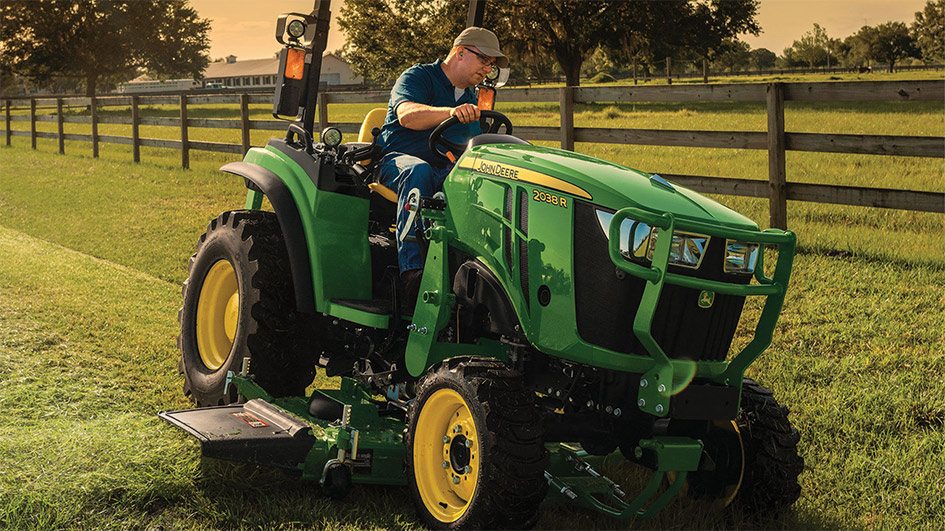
[(475, 449), (756, 458), (239, 303)]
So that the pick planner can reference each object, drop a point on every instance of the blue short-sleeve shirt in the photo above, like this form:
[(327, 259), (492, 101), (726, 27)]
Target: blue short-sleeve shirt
[(426, 84)]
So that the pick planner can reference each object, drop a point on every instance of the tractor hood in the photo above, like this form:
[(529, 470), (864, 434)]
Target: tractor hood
[(597, 181)]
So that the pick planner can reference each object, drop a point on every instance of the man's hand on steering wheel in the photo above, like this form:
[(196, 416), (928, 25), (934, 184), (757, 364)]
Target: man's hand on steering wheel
[(444, 148), (465, 113)]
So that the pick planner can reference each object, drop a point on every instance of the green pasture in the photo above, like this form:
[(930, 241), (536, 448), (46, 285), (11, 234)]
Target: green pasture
[(93, 251)]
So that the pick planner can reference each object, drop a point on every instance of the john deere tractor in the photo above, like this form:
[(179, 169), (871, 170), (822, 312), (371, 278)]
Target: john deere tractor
[(569, 309)]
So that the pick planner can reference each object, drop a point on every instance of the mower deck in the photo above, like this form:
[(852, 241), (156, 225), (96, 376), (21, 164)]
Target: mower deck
[(344, 431)]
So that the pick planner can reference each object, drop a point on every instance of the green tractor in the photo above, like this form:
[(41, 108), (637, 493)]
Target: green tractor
[(569, 309)]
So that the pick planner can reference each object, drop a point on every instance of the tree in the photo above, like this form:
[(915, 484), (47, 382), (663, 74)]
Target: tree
[(888, 42), (928, 30), (384, 37), (762, 59), (712, 27), (92, 40), (858, 51), (811, 48), (733, 55), (569, 30)]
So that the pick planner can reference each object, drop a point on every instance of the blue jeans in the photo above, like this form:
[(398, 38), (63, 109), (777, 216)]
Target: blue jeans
[(402, 173)]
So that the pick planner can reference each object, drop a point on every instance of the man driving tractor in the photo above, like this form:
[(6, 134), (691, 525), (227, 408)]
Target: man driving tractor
[(423, 96)]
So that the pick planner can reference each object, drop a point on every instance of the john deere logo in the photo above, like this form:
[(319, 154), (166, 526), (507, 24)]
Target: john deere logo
[(706, 298)]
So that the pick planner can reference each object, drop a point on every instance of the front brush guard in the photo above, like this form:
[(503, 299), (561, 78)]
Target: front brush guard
[(657, 382), (594, 491)]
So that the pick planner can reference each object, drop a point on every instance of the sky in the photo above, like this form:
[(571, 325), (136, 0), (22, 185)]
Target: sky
[(246, 28)]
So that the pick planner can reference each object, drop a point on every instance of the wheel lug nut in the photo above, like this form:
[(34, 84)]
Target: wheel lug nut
[(455, 480), (446, 439), (467, 469), (468, 443), (446, 464), (457, 428)]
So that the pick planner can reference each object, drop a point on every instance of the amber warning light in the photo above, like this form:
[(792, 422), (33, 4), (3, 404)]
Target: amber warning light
[(486, 99), (294, 63)]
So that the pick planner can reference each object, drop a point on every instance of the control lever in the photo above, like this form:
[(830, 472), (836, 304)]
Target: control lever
[(365, 152)]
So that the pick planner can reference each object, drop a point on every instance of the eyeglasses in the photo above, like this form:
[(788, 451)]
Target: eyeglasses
[(483, 58)]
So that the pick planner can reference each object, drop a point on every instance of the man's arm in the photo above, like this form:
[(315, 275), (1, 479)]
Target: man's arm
[(420, 117)]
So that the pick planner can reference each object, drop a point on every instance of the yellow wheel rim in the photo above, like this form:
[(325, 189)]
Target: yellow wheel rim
[(446, 455), (218, 311), (732, 490)]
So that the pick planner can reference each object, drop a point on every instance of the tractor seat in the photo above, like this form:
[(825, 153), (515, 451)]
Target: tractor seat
[(373, 120), (495, 138)]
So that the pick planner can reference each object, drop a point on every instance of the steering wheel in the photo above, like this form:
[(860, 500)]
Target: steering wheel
[(496, 120)]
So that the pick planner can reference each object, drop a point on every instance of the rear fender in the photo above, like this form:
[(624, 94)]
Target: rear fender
[(268, 183)]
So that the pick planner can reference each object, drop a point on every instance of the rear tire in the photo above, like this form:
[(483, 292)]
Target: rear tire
[(486, 404), (239, 303)]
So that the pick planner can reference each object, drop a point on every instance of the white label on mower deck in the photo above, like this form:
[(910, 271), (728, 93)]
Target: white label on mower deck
[(252, 420)]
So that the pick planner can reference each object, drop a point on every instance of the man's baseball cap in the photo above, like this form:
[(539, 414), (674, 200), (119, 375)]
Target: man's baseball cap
[(486, 41)]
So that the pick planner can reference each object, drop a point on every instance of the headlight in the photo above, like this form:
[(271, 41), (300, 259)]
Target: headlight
[(686, 250), (740, 257), (638, 242), (296, 29)]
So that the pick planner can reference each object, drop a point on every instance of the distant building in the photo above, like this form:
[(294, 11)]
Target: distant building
[(262, 73), (144, 83)]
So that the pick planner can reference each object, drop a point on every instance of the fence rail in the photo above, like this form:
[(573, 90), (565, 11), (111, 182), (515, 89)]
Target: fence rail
[(775, 140)]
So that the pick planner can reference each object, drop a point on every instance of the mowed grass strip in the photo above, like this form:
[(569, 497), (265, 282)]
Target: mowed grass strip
[(87, 359)]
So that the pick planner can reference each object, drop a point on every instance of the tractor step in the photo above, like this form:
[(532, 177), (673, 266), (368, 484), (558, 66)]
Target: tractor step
[(255, 432), (368, 312)]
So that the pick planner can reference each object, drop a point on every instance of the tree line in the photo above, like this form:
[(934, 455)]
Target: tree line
[(888, 43), (608, 38), (72, 45)]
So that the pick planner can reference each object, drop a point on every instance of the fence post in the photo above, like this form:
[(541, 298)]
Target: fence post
[(184, 136), (135, 139), (669, 71), (566, 98), (244, 121), (777, 177), (93, 107), (9, 131), (33, 123), (322, 110), (62, 140)]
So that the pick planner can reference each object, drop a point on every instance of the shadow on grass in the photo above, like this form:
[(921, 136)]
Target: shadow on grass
[(240, 495), (869, 257)]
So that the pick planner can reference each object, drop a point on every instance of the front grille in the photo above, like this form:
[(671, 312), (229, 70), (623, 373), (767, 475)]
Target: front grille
[(606, 301)]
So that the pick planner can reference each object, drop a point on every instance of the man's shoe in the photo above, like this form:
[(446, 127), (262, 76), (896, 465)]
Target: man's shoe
[(410, 290)]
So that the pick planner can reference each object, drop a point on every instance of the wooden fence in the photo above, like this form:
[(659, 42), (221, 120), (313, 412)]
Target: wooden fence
[(775, 140)]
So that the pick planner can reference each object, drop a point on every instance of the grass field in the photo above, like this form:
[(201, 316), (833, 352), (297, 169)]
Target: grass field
[(92, 254)]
